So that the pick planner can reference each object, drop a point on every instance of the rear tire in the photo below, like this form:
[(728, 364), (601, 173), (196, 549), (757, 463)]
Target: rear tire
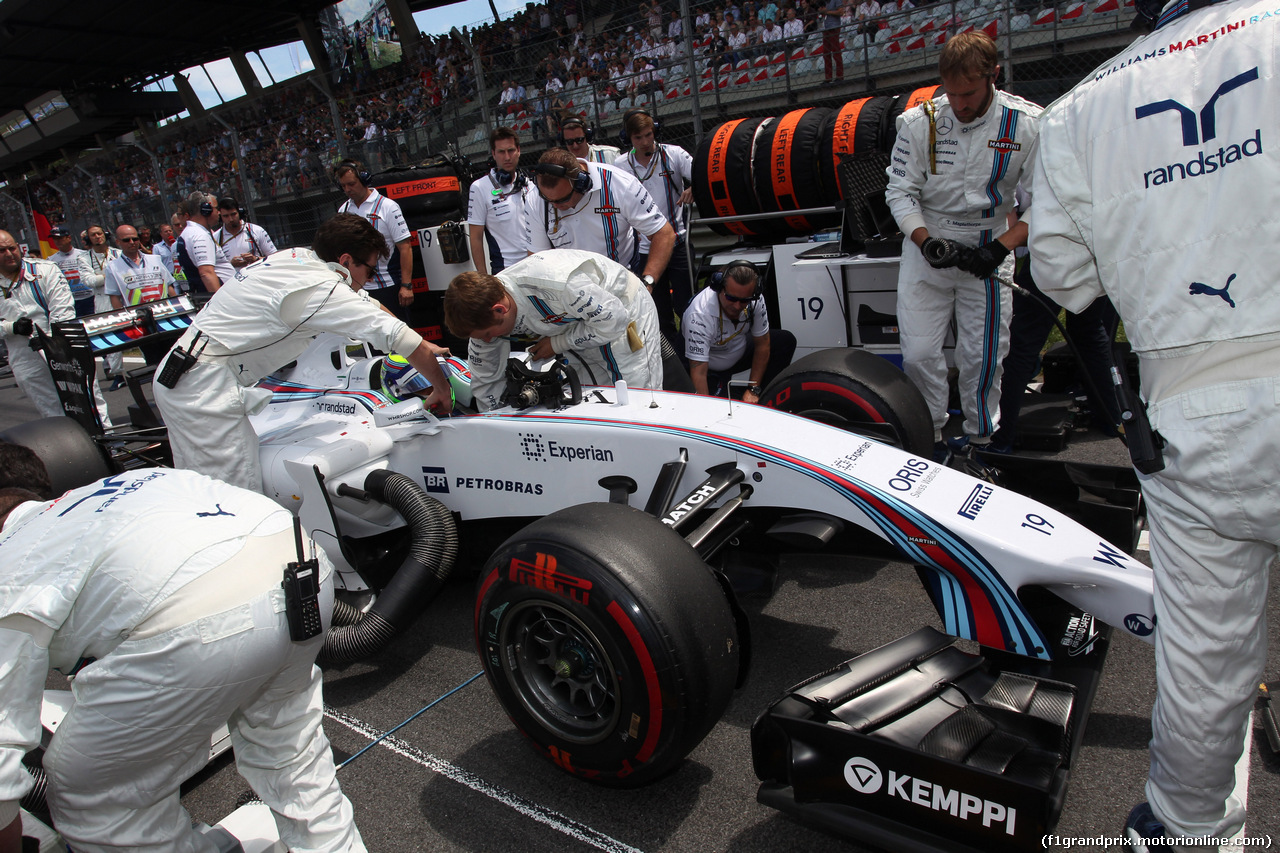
[(71, 457), (608, 641), (856, 391)]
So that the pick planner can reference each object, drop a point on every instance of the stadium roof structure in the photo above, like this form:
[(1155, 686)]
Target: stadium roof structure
[(69, 68)]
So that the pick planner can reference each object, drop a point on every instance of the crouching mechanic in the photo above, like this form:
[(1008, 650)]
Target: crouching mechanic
[(264, 318), (956, 162), (160, 590), (726, 330), (562, 301)]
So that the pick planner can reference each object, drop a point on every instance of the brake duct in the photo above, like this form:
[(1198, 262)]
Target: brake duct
[(432, 550)]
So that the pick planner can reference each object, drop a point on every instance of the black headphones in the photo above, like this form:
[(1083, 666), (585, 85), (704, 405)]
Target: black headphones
[(718, 277), (361, 175), (576, 122), (206, 209), (581, 178), (625, 138)]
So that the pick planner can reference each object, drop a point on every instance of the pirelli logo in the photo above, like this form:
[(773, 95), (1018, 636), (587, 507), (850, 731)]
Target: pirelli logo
[(543, 574), (1004, 145)]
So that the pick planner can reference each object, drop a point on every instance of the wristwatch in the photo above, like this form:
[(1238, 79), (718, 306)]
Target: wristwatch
[(755, 388), (406, 287), (648, 280)]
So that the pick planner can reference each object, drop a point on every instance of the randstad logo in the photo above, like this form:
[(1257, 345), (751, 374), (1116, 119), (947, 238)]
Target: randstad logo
[(1199, 129)]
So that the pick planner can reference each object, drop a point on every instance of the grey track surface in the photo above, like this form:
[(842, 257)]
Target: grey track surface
[(460, 778)]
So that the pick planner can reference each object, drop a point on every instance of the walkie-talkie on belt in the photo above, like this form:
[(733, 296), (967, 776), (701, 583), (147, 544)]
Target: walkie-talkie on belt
[(302, 592)]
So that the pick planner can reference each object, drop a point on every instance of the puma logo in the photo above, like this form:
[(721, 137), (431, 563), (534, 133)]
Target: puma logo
[(220, 511), (1198, 287)]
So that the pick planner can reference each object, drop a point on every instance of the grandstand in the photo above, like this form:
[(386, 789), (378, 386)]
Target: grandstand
[(272, 148)]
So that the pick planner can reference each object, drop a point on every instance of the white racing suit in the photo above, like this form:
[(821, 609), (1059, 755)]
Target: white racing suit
[(584, 302), (978, 165), (42, 294), (260, 320), (1157, 183), (161, 591)]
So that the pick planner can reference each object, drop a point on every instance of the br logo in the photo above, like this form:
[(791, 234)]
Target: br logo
[(863, 775)]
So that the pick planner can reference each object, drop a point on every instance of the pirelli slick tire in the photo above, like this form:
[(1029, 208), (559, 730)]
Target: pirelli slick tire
[(857, 391), (608, 641), (69, 454)]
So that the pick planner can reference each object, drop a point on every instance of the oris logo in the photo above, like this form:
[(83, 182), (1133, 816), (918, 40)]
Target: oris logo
[(863, 775)]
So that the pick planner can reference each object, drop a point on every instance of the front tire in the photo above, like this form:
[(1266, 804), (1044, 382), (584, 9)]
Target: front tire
[(856, 391), (608, 641)]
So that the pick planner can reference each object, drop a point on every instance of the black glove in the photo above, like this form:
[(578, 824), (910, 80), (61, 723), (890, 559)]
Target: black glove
[(984, 260), (21, 326), (943, 254)]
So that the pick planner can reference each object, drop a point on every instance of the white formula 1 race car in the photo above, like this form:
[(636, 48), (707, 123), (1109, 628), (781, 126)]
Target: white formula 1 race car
[(610, 633)]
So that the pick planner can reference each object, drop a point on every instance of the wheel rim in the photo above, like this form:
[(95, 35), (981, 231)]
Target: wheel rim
[(560, 671)]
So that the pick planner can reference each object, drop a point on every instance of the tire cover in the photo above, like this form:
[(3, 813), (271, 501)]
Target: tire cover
[(428, 195), (786, 171), (722, 183), (841, 141)]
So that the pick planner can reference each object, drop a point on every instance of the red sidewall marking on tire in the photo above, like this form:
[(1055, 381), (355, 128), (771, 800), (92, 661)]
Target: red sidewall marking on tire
[(847, 394), (488, 582), (650, 680)]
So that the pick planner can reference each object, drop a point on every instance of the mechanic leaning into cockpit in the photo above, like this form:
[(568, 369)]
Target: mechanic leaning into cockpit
[(567, 302), (261, 320), (160, 591)]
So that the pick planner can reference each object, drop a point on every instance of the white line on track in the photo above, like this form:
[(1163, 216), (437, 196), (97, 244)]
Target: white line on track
[(528, 808)]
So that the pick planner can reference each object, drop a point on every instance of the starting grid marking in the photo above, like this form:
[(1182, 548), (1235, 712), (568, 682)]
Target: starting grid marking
[(546, 816)]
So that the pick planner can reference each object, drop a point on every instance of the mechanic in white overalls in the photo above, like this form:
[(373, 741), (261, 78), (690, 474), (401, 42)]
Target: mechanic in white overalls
[(596, 208), (1157, 183), (160, 590), (496, 205), (564, 302), (955, 164), (34, 293), (262, 319)]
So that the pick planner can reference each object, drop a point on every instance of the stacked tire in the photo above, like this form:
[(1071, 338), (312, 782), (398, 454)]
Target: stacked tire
[(429, 194), (765, 165)]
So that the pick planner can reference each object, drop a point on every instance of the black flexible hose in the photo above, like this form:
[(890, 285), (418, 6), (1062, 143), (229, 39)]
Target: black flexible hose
[(433, 548)]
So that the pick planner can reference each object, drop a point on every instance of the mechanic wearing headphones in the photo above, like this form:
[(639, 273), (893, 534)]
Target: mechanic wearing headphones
[(564, 302), (160, 591), (956, 162), (203, 261), (385, 215), (262, 319), (241, 240), (496, 207), (726, 330), (1189, 259), (599, 209), (576, 136), (667, 174)]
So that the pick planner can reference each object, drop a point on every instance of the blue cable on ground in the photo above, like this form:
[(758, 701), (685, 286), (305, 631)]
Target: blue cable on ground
[(407, 721)]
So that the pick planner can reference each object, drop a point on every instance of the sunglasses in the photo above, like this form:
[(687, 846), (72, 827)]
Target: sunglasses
[(129, 239), (579, 141), (741, 300), (557, 200)]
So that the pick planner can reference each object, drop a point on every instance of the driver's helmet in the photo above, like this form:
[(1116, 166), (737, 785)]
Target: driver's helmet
[(401, 380)]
